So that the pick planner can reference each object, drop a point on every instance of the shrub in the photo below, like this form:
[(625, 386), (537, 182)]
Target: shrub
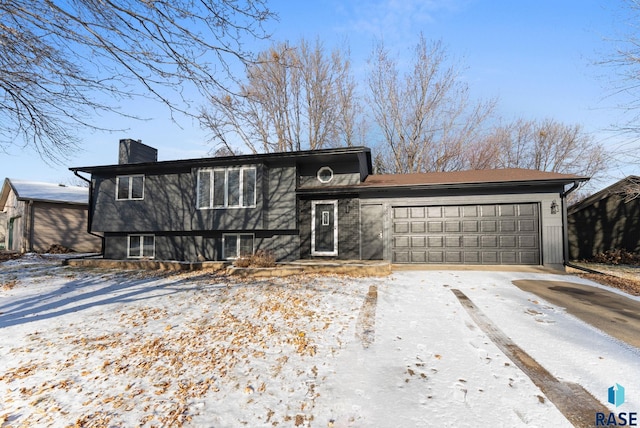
[(617, 257), (261, 258)]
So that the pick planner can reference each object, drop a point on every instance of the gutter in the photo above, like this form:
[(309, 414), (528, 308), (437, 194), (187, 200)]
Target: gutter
[(90, 210)]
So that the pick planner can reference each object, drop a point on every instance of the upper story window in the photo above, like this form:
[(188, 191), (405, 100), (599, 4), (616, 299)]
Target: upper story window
[(227, 187), (129, 187), (325, 174)]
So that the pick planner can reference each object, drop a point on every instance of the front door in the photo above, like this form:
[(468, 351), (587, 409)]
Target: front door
[(324, 228)]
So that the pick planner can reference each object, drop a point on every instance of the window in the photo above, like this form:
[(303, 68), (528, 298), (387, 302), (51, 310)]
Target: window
[(237, 245), (325, 174), (227, 187), (129, 187), (141, 246)]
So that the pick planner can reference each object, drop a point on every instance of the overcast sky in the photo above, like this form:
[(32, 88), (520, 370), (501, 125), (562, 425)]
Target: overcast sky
[(537, 57)]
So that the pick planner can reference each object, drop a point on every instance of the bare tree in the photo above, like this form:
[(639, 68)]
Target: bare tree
[(63, 61), (426, 116), (546, 145), (293, 98)]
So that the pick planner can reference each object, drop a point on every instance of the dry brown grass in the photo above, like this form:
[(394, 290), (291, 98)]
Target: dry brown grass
[(628, 285)]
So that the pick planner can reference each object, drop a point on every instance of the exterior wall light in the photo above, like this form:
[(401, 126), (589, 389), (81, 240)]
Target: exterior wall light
[(554, 207)]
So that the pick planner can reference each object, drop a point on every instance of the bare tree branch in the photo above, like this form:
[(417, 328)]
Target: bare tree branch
[(61, 62)]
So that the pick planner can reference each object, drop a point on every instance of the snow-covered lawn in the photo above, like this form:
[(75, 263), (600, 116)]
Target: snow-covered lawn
[(86, 347)]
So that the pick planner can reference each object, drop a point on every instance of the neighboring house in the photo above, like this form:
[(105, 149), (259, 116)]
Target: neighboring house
[(324, 204), (607, 220), (3, 229), (39, 215)]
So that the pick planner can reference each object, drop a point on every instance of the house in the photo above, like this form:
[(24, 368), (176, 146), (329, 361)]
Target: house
[(38, 215), (607, 220), (3, 229), (324, 204)]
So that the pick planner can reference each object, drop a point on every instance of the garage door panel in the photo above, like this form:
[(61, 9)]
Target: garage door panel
[(488, 226), (470, 226), (418, 227), (489, 241), (435, 257), (490, 257), (400, 212), (418, 256), (508, 242), (508, 226), (471, 241), (417, 212), (508, 258), (401, 241), (418, 241), (470, 211), (453, 257), (435, 227), (528, 258), (452, 241), (471, 257), (507, 210), (527, 210), (452, 226), (435, 241), (527, 225), (401, 227), (527, 242), (473, 234)]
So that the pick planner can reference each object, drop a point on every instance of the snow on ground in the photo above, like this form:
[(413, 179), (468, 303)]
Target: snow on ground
[(89, 347)]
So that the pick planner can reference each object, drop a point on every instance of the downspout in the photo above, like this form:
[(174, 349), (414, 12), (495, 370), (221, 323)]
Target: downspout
[(565, 224), (90, 211)]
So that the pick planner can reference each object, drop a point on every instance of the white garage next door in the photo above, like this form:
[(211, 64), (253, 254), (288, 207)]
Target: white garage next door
[(466, 234)]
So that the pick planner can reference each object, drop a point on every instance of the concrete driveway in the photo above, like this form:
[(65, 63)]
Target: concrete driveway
[(613, 313)]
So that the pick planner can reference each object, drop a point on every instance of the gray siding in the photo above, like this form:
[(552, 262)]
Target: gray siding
[(344, 174), (169, 204), (201, 248), (280, 198), (608, 224)]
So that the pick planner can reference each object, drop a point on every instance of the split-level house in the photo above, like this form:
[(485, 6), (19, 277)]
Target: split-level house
[(324, 204)]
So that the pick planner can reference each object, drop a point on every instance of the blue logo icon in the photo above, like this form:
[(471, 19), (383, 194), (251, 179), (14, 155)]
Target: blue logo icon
[(616, 394)]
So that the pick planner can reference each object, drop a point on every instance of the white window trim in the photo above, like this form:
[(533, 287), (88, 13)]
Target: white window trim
[(320, 171), (226, 205), (335, 228), (226, 236), (140, 238), (130, 190)]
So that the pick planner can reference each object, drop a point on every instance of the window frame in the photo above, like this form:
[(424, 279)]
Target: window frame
[(320, 173), (237, 237), (213, 198), (129, 187), (140, 237)]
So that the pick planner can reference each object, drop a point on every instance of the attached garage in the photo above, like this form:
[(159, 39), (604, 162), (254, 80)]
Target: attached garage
[(486, 217), (466, 234)]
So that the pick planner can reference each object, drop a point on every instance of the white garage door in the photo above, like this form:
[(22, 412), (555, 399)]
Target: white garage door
[(467, 234)]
